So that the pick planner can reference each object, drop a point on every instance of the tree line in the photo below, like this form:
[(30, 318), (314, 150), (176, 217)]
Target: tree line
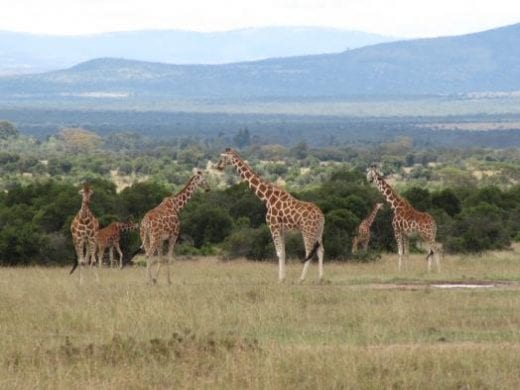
[(35, 218)]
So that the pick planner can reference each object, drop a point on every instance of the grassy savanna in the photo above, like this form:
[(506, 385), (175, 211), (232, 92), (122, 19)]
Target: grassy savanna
[(231, 325)]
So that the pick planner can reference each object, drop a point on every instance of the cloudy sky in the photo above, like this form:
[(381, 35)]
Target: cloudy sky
[(402, 18)]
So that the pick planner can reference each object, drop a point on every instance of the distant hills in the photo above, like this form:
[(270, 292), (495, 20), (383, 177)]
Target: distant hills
[(31, 53), (482, 62)]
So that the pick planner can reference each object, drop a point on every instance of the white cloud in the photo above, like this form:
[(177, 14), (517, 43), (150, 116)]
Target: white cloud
[(406, 18)]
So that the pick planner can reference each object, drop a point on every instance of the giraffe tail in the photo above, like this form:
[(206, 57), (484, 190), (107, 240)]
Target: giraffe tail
[(74, 266), (313, 251)]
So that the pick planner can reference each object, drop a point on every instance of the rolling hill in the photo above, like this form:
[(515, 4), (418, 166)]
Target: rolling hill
[(487, 61), (30, 53)]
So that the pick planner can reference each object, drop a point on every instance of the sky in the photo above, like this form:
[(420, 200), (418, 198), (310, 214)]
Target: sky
[(397, 18)]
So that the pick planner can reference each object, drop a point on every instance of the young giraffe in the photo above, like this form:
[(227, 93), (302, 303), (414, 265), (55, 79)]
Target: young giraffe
[(407, 220), (162, 224), (363, 236), (284, 213), (84, 229), (109, 237)]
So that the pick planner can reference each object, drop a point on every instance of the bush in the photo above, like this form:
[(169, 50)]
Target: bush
[(253, 244), (339, 228), (479, 228)]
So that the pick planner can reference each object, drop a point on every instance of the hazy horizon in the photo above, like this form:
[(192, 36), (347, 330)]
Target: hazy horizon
[(402, 18)]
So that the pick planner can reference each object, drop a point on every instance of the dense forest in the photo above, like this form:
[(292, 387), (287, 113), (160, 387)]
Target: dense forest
[(473, 193)]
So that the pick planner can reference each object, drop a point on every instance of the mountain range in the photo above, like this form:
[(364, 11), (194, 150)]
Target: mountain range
[(483, 62), (31, 53)]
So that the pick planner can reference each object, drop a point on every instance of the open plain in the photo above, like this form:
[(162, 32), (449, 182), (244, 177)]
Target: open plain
[(231, 325)]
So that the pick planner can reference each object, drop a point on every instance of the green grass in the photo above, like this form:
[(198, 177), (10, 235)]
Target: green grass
[(231, 325)]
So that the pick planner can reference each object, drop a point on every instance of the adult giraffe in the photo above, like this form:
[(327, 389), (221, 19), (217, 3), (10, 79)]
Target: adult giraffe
[(407, 220), (363, 235), (109, 238), (162, 224), (284, 212), (84, 229)]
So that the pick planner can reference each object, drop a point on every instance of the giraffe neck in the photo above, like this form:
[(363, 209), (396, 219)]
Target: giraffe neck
[(183, 196), (370, 219), (84, 211), (255, 183), (390, 195)]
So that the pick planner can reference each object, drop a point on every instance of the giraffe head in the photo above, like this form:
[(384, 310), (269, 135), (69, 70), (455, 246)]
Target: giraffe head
[(379, 206), (130, 225), (226, 158), (86, 192), (372, 174), (200, 180)]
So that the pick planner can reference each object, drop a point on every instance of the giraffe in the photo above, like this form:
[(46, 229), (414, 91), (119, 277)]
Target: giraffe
[(284, 213), (162, 224), (407, 220), (109, 237), (363, 235), (84, 229)]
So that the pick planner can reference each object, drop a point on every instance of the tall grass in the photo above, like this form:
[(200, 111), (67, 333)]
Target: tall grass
[(231, 325)]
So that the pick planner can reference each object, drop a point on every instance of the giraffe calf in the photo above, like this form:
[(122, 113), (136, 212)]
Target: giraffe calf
[(363, 231), (109, 238)]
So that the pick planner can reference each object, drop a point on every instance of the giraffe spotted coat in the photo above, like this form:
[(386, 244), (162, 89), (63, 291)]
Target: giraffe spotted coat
[(84, 229), (284, 213), (363, 232), (109, 238), (407, 221), (162, 224)]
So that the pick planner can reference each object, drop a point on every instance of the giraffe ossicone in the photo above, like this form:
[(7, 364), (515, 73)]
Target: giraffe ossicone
[(407, 220), (284, 213)]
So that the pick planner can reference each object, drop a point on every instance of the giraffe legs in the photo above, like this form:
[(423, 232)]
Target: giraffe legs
[(111, 256), (321, 253), (406, 249), (80, 254), (365, 244), (279, 245), (310, 246), (169, 258), (434, 253), (92, 244), (100, 253), (151, 258), (120, 252), (355, 243), (400, 248)]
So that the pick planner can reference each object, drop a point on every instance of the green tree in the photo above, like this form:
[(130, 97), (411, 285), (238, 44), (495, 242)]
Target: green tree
[(447, 200), (8, 130)]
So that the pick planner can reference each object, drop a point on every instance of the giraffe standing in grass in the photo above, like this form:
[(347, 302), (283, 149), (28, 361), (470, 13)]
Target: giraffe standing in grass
[(109, 237), (162, 224), (84, 229), (407, 221), (363, 236), (284, 213)]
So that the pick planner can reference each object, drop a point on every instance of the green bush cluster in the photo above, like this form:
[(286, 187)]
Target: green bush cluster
[(35, 218)]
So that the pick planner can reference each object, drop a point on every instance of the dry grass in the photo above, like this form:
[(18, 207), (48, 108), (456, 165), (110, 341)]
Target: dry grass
[(230, 325)]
